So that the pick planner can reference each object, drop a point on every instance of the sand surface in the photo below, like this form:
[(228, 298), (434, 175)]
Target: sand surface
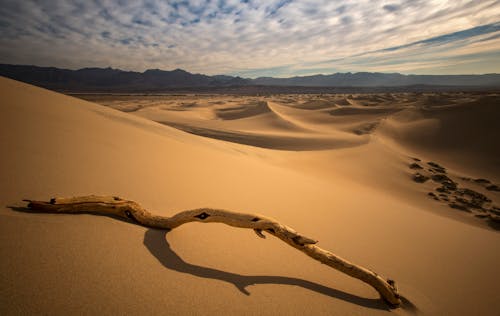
[(334, 167)]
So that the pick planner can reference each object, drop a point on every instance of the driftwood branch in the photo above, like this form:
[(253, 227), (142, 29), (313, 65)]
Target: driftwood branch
[(131, 210)]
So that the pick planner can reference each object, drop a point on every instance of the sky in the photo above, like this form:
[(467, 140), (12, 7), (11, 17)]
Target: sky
[(254, 38)]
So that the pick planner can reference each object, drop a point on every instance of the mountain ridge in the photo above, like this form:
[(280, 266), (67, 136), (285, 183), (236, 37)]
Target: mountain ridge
[(115, 80)]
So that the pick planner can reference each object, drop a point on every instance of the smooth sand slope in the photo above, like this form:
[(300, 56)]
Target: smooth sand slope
[(354, 193)]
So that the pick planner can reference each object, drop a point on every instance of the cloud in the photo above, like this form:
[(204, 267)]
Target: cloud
[(250, 38), (391, 7), (106, 34), (473, 50)]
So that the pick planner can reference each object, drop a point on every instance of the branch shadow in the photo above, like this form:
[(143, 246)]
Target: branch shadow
[(157, 244)]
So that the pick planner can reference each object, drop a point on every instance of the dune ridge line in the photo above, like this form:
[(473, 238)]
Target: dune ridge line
[(130, 210)]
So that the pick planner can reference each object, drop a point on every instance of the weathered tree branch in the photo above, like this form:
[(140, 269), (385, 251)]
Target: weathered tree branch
[(131, 210)]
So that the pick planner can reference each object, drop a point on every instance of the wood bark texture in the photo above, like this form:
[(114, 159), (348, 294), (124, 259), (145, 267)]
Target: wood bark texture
[(130, 210)]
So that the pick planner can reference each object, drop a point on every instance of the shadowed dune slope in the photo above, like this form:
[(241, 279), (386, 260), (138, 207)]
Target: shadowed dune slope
[(295, 142), (464, 135), (243, 111), (261, 124)]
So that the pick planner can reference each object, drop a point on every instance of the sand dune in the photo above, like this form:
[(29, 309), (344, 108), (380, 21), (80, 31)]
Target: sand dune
[(342, 102), (268, 120), (280, 141), (462, 135), (406, 124), (358, 200), (316, 104), (261, 123), (363, 111), (243, 111)]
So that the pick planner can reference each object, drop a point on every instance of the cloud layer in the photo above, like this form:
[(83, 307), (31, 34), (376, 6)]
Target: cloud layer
[(255, 37)]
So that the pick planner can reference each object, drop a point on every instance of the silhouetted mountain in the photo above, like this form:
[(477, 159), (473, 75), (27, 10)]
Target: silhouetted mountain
[(108, 79), (370, 79), (154, 80)]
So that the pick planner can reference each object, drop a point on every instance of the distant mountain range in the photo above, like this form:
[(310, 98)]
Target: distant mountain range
[(154, 80)]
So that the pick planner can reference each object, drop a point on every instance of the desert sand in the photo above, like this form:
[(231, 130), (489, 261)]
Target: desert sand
[(351, 171)]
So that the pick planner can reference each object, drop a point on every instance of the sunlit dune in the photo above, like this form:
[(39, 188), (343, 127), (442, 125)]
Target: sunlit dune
[(404, 184)]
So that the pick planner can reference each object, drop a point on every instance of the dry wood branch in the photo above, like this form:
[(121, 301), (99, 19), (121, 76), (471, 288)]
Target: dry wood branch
[(116, 206)]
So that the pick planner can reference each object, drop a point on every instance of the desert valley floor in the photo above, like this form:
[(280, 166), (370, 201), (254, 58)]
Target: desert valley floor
[(405, 184)]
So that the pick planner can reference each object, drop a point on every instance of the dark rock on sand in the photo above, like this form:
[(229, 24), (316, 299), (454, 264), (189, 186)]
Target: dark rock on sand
[(445, 181), (415, 166), (433, 195), (436, 167), (420, 178), (473, 194), (495, 210), (441, 178), (482, 181), (471, 199), (459, 198), (469, 203), (443, 189), (458, 206), (493, 187)]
